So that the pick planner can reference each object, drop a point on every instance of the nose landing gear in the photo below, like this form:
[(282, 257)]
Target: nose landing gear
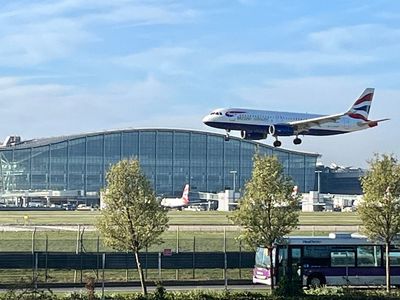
[(226, 138), (277, 143)]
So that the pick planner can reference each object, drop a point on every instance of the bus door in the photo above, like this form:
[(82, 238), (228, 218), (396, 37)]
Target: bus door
[(282, 262), (295, 261)]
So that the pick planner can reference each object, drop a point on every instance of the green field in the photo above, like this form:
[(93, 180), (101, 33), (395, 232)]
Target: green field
[(176, 218), (184, 241)]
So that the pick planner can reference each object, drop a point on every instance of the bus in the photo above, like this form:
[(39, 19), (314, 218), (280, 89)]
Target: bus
[(337, 259)]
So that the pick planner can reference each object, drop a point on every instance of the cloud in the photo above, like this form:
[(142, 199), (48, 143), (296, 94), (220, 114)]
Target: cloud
[(42, 31), (336, 47), (36, 43), (298, 59), (34, 110), (143, 14), (165, 59), (117, 11), (364, 37), (313, 94)]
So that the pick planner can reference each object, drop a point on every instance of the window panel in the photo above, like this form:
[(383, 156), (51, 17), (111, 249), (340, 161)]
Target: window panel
[(343, 258), (58, 166), (369, 256)]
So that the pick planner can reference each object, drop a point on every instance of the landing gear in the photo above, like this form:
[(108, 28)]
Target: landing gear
[(226, 138), (297, 141), (277, 144)]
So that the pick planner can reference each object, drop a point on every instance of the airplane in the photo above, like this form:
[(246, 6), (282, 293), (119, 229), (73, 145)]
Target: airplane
[(257, 124), (177, 202)]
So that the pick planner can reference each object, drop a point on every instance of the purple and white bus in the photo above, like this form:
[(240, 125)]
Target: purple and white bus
[(339, 259)]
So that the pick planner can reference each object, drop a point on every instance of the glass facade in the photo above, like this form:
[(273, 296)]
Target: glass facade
[(169, 158)]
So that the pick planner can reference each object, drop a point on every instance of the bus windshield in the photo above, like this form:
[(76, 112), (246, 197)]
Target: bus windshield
[(262, 258)]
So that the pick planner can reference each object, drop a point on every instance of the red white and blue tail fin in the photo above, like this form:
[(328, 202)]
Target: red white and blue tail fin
[(185, 195), (361, 107)]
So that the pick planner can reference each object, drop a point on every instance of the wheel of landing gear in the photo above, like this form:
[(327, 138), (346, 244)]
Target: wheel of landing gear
[(277, 143), (297, 141)]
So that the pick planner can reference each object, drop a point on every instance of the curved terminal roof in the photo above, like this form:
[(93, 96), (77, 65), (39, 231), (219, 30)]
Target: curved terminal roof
[(58, 139)]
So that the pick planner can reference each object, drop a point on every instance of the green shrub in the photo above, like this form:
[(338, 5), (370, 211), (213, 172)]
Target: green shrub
[(289, 288)]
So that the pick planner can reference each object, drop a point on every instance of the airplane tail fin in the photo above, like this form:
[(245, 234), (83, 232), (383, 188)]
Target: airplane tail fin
[(185, 195), (361, 107)]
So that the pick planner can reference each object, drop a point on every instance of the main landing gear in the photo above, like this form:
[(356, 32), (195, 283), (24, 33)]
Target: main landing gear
[(277, 143), (297, 141), (226, 138)]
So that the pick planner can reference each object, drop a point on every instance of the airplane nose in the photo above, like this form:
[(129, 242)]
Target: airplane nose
[(206, 119)]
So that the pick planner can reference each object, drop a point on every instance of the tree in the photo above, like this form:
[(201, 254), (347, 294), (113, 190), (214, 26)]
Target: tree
[(132, 219), (380, 209), (268, 209)]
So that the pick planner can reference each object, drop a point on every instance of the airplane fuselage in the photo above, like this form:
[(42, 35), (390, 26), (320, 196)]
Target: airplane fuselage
[(260, 120), (258, 124)]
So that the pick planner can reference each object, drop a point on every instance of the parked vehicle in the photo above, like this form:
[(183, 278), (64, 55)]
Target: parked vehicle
[(340, 259)]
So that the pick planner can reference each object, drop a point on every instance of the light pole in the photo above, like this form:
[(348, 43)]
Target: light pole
[(234, 172), (319, 180)]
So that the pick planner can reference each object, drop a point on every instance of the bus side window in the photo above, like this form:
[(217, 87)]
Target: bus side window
[(282, 256), (343, 258), (394, 258), (369, 256)]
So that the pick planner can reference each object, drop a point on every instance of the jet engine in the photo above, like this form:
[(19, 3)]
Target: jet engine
[(280, 130)]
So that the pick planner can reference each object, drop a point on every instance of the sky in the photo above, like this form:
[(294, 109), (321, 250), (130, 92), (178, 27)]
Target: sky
[(74, 66)]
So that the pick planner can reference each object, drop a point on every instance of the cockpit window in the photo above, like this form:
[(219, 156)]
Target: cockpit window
[(216, 113)]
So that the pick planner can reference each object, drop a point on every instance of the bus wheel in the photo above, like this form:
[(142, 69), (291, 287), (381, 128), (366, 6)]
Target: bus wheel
[(315, 281)]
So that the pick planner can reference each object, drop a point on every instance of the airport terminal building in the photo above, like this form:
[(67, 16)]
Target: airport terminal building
[(77, 164)]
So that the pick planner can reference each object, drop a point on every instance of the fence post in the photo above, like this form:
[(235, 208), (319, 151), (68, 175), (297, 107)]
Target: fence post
[(146, 260), (98, 256), (33, 255), (159, 266), (126, 266), (33, 240), (102, 281), (77, 249), (177, 251), (225, 261), (193, 258), (81, 251), (77, 239), (46, 249), (177, 239), (36, 270), (240, 259)]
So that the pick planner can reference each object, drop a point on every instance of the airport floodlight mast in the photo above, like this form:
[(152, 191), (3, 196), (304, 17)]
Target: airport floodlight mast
[(234, 172), (319, 180)]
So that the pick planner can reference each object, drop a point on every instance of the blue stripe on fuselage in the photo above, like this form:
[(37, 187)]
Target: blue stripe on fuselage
[(233, 126), (264, 129)]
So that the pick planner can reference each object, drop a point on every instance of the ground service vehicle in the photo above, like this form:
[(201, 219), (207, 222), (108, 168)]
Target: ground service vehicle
[(338, 259)]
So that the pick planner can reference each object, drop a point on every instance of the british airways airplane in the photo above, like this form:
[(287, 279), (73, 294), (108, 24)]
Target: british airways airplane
[(177, 202), (257, 124)]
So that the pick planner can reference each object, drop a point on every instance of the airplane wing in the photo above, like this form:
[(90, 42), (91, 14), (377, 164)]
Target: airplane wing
[(306, 124)]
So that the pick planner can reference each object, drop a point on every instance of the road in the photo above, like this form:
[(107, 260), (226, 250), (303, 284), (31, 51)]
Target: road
[(182, 228), (174, 288)]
